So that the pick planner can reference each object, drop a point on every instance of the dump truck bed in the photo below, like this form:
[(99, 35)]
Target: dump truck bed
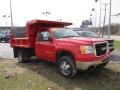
[(25, 37)]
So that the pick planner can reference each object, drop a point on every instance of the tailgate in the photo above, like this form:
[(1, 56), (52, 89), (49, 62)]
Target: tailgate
[(20, 42)]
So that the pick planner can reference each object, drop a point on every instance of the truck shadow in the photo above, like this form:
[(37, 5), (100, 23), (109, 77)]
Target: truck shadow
[(105, 79)]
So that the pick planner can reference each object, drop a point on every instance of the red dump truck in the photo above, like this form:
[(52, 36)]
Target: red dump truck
[(52, 41)]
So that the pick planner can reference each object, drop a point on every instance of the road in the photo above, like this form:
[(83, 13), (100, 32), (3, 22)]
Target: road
[(114, 37), (7, 52)]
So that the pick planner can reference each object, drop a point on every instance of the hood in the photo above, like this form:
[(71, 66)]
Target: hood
[(86, 40)]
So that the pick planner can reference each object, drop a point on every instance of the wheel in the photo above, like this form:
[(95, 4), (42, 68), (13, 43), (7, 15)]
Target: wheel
[(66, 66), (21, 57)]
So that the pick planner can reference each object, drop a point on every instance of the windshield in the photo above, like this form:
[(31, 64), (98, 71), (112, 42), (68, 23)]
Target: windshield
[(64, 33), (87, 34)]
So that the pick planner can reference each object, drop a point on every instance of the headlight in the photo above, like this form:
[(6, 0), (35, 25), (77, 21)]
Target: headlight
[(86, 49)]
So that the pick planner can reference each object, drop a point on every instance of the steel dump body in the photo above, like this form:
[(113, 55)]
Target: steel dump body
[(31, 30)]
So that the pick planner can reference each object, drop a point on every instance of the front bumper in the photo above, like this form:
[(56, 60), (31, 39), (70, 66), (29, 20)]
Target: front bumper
[(85, 65)]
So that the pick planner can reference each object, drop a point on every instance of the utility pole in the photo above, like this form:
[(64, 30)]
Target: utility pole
[(46, 13), (94, 17), (99, 17), (104, 20), (6, 17), (109, 19), (11, 14)]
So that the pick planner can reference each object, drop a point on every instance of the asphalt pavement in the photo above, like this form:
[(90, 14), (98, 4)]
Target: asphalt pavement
[(7, 52), (115, 57), (113, 37)]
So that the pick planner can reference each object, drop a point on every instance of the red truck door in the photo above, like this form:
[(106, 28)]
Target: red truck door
[(45, 48)]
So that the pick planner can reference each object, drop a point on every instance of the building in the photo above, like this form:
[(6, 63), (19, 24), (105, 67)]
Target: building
[(5, 31)]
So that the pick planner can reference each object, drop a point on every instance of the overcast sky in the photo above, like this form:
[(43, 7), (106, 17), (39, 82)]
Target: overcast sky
[(68, 10)]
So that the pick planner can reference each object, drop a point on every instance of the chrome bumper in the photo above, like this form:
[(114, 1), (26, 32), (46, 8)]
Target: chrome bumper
[(86, 65)]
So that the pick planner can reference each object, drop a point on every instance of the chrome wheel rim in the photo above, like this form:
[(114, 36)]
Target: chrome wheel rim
[(65, 68)]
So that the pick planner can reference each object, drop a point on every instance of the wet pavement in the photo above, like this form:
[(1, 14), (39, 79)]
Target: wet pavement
[(115, 57), (7, 52)]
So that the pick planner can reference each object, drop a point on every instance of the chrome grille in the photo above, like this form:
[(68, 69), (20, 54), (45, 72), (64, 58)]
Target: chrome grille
[(101, 48), (111, 45)]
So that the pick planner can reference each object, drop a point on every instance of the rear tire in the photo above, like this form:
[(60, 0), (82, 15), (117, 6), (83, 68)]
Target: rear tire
[(66, 66), (22, 57)]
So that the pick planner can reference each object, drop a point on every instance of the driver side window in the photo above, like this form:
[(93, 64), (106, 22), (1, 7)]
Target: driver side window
[(44, 36)]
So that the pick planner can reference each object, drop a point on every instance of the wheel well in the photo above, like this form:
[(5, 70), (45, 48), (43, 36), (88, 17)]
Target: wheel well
[(63, 53)]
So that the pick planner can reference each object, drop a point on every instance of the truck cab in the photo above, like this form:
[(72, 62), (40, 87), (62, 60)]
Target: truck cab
[(52, 41)]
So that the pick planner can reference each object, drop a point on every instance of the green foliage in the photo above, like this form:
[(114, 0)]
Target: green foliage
[(117, 45)]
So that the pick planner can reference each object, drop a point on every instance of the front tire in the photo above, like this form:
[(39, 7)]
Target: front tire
[(66, 66)]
